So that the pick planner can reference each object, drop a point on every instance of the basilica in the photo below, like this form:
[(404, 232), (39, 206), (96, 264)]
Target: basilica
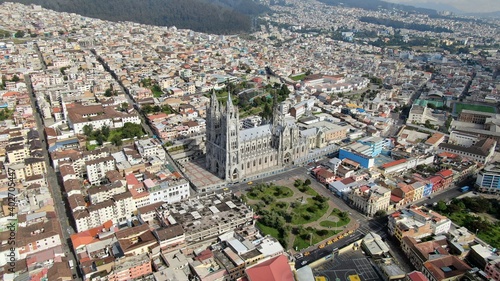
[(235, 154)]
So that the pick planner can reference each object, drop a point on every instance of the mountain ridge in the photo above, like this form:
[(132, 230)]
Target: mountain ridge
[(210, 16)]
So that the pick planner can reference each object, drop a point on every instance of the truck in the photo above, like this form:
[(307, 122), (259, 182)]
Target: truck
[(464, 188)]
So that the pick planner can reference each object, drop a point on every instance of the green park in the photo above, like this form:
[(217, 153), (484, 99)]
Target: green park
[(479, 215), (296, 215)]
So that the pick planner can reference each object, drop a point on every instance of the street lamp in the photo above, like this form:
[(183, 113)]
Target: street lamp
[(477, 229), (310, 239)]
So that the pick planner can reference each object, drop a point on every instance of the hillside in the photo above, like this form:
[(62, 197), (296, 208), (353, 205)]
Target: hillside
[(378, 4), (210, 16)]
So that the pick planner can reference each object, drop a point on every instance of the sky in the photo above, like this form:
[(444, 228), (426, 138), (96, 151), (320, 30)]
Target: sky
[(468, 6)]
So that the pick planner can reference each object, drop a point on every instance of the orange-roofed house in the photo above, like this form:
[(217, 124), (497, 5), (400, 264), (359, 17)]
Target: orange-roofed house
[(437, 183), (445, 268), (447, 176), (81, 239), (435, 140), (324, 176), (394, 166), (405, 192), (416, 276), (275, 269)]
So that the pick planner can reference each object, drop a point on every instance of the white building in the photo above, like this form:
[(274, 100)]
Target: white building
[(98, 116), (96, 169), (149, 148), (167, 191)]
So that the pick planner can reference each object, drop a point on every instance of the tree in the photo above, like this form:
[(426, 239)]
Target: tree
[(116, 140), (100, 139), (307, 182), (298, 183), (87, 130), (441, 206), (15, 78), (19, 34), (124, 106), (105, 131), (380, 214)]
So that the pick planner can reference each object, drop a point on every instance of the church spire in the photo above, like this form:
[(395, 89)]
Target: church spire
[(229, 100), (213, 99)]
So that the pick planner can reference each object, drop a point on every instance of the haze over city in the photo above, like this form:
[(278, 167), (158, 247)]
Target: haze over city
[(466, 6)]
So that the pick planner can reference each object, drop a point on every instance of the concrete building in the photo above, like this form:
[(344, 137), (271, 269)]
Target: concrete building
[(96, 169), (488, 179), (476, 117), (149, 148), (445, 268), (373, 245), (463, 138), (481, 152), (417, 222), (98, 116), (130, 267), (206, 217), (369, 200)]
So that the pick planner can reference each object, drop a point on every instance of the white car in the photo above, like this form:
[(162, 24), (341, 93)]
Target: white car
[(303, 262)]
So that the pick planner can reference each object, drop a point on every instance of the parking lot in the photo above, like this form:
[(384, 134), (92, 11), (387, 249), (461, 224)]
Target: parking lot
[(350, 263)]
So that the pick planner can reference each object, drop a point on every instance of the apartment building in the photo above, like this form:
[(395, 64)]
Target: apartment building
[(96, 169), (417, 222), (103, 193), (369, 200), (493, 269), (148, 148), (37, 237), (130, 268), (170, 190), (77, 158)]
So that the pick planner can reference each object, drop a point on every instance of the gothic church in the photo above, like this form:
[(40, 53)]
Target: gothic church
[(234, 155)]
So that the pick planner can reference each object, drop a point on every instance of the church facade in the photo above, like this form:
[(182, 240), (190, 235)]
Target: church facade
[(234, 155)]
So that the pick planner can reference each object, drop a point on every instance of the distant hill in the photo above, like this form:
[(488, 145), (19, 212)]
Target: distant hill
[(378, 4), (210, 16)]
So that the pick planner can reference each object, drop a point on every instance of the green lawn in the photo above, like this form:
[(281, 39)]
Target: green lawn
[(310, 191), (476, 107), (309, 212), (266, 230), (276, 206), (340, 223), (298, 77), (304, 242), (275, 191), (491, 236)]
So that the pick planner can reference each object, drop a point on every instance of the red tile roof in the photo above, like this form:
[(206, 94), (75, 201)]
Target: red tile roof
[(445, 173), (417, 276), (86, 237), (275, 269), (393, 163), (447, 155), (395, 198)]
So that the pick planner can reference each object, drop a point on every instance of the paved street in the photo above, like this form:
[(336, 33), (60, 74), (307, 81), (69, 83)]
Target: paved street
[(54, 187)]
